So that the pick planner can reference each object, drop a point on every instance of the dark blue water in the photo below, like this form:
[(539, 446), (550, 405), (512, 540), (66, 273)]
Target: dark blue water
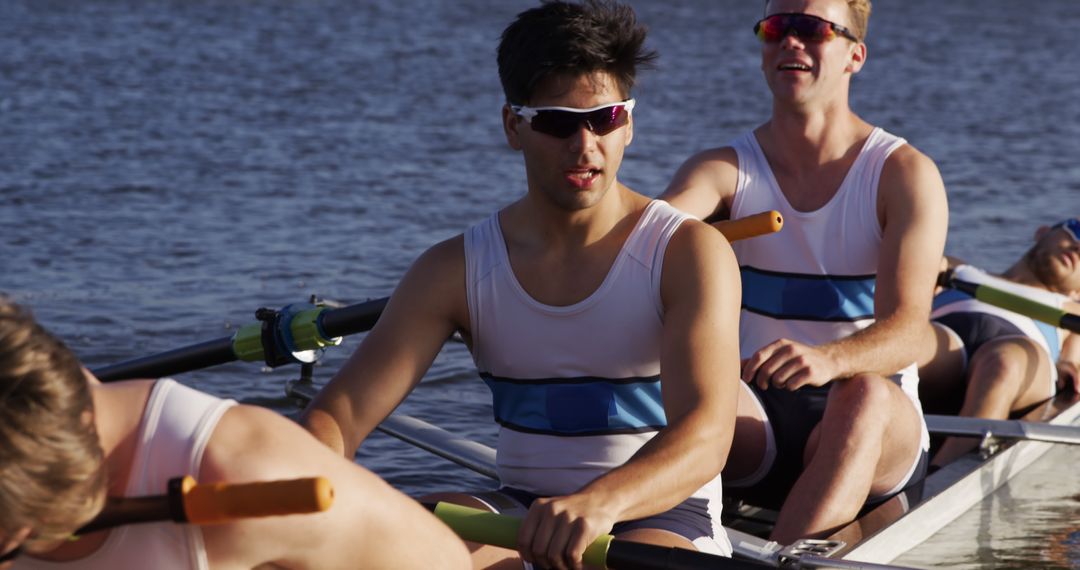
[(166, 167)]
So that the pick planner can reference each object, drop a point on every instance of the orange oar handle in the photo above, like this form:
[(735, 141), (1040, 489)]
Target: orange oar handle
[(223, 502), (750, 226)]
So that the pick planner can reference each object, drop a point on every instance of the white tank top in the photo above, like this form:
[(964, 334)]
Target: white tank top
[(576, 389), (1045, 335), (813, 281), (176, 426)]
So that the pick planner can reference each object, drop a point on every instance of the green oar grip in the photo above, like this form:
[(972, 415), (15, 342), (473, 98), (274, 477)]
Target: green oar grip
[(247, 343), (501, 530), (1018, 304)]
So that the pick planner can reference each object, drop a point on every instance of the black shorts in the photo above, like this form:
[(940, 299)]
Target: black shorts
[(976, 329), (792, 416)]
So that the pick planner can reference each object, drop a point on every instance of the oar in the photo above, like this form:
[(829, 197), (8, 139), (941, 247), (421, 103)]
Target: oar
[(280, 336), (1005, 429), (215, 503), (751, 226), (1012, 302), (309, 328), (501, 530)]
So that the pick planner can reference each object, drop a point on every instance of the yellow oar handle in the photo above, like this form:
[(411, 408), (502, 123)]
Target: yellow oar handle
[(222, 502), (501, 530), (750, 226)]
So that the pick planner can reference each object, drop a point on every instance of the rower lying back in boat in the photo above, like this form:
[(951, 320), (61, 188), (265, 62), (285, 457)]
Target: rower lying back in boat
[(988, 362), (71, 443)]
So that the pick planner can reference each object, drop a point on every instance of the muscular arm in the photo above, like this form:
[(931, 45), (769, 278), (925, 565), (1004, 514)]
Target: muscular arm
[(915, 219), (914, 216), (368, 522), (700, 290), (704, 185), (425, 309)]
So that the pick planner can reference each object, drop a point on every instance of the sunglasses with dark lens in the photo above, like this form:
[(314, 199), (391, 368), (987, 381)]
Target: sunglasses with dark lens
[(1072, 226), (563, 122), (805, 27)]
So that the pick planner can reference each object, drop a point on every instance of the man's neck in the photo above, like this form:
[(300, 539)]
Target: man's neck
[(540, 222), (804, 139)]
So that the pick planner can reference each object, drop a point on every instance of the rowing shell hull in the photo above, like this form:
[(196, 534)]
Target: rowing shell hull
[(900, 524)]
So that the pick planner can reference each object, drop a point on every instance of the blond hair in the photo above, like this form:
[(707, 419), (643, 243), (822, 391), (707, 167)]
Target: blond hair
[(859, 12), (52, 476)]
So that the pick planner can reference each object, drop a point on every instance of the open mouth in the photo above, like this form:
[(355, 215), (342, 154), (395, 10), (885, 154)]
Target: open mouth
[(582, 177), (793, 66)]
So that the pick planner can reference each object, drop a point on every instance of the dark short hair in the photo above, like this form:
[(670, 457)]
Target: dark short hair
[(562, 38)]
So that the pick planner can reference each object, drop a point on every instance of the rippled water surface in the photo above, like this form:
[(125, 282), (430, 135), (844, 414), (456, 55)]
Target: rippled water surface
[(166, 167)]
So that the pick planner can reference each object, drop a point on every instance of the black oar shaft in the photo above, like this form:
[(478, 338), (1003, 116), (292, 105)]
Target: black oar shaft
[(354, 318), (626, 555), (186, 359)]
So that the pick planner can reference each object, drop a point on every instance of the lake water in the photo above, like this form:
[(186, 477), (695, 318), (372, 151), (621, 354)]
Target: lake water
[(167, 167)]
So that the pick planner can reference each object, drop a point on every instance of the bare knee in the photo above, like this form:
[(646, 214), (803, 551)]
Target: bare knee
[(863, 391), (1004, 361)]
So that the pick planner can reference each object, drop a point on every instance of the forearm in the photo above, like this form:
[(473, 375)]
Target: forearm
[(885, 347), (674, 464)]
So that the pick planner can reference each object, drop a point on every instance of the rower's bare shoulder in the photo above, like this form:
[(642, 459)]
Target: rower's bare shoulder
[(909, 170), (435, 283)]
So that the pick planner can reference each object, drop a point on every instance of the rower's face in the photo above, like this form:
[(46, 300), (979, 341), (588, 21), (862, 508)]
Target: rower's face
[(1055, 259), (574, 172), (802, 70)]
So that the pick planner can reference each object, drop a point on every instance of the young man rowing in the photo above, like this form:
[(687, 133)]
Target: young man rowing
[(601, 320), (834, 304), (987, 362), (69, 443)]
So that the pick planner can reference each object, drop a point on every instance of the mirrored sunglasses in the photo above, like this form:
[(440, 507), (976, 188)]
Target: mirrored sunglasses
[(562, 122), (1072, 226), (804, 26)]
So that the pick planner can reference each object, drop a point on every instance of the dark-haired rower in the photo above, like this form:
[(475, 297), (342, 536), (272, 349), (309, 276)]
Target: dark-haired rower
[(602, 321)]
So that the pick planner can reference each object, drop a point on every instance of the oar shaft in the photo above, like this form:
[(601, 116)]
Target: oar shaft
[(186, 359), (335, 322)]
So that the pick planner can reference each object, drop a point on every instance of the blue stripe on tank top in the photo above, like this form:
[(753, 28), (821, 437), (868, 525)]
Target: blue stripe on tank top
[(1050, 332), (578, 406), (799, 296)]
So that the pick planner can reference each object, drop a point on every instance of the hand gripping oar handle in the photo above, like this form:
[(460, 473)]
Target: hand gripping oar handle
[(751, 226), (1012, 302), (214, 503), (501, 530)]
